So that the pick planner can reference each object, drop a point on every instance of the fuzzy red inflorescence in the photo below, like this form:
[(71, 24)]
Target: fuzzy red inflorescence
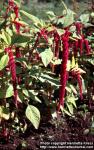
[(80, 45), (88, 49), (65, 53), (16, 11), (18, 25), (12, 66)]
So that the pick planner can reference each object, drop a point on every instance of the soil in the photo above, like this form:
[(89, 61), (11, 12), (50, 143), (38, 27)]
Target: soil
[(68, 131)]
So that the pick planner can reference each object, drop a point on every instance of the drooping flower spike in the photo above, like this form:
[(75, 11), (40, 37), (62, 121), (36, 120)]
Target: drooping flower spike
[(87, 47), (76, 73), (18, 25), (63, 80), (12, 67)]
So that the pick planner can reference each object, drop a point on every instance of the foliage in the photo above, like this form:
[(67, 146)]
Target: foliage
[(43, 62)]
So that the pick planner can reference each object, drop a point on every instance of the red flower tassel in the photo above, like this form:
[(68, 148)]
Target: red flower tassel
[(78, 27), (16, 11), (11, 3), (63, 80), (13, 72), (81, 46), (87, 46), (44, 34), (18, 25)]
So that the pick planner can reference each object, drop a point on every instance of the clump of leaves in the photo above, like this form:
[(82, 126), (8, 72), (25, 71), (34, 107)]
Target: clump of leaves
[(39, 59)]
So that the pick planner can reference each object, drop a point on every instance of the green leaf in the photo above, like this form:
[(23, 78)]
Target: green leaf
[(4, 61), (69, 18), (32, 17), (9, 91), (49, 79), (19, 39), (65, 111), (50, 14), (25, 92), (17, 2), (46, 56), (84, 18), (33, 96), (33, 114), (73, 89), (70, 107), (72, 100), (2, 24), (6, 37), (4, 113)]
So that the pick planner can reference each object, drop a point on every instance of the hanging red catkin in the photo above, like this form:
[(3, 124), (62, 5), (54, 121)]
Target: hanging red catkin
[(78, 27), (81, 46), (79, 32), (88, 49), (18, 25), (80, 85), (44, 34), (16, 11), (11, 3), (63, 80), (56, 41), (13, 73)]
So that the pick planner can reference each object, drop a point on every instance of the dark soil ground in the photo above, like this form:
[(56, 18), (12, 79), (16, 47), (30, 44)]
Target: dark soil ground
[(69, 132)]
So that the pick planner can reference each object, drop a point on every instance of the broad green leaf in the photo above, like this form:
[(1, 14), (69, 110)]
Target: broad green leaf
[(1, 50), (50, 14), (84, 18), (33, 96), (60, 31), (65, 111), (25, 92), (32, 17), (17, 2), (9, 91), (19, 39), (46, 57), (73, 62), (72, 100), (49, 79), (73, 89), (2, 24), (70, 107), (68, 65), (4, 113), (68, 89), (33, 114), (6, 37), (4, 61), (56, 61), (69, 18)]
